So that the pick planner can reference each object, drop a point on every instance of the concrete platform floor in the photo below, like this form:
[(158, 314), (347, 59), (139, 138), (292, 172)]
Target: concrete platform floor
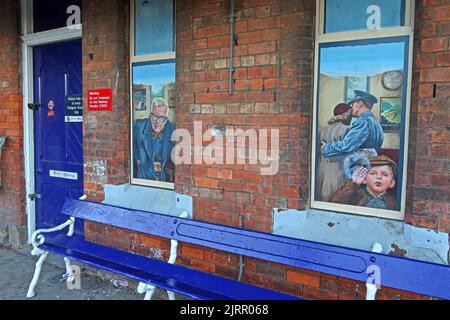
[(17, 268)]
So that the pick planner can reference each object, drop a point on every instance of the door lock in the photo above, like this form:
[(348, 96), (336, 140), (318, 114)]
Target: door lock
[(34, 196), (34, 106)]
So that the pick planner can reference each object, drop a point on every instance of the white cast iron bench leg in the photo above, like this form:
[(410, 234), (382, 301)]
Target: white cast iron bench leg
[(37, 272), (148, 289), (38, 239), (171, 295), (373, 282), (69, 275)]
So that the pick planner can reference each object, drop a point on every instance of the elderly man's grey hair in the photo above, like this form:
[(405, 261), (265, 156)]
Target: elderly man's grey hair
[(158, 101)]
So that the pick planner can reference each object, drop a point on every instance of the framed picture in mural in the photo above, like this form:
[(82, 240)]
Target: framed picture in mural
[(359, 130), (391, 114), (141, 97)]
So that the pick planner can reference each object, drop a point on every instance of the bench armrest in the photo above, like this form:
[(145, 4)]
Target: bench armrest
[(38, 237)]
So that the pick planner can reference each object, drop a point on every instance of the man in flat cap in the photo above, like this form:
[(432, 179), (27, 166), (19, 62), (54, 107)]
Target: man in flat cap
[(365, 133), (371, 181)]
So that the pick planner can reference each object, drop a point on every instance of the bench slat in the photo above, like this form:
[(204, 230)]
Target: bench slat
[(188, 282), (400, 273)]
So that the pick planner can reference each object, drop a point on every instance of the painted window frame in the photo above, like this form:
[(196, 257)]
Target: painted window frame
[(137, 59), (322, 38), (346, 97)]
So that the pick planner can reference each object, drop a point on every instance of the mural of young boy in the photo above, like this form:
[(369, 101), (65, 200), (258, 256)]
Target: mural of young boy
[(370, 183)]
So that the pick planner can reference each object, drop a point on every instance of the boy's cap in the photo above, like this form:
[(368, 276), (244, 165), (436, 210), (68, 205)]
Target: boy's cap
[(383, 161)]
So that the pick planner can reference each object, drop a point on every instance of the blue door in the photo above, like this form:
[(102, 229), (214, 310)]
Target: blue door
[(58, 130)]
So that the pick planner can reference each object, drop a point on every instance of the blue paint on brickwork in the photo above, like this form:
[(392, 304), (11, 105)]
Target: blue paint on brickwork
[(148, 199)]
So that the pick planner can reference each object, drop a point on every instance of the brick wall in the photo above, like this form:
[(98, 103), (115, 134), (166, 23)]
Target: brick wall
[(272, 86), (272, 90), (106, 133), (429, 165), (12, 192), (105, 65)]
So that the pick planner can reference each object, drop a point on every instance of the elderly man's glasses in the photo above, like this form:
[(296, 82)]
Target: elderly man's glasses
[(157, 118)]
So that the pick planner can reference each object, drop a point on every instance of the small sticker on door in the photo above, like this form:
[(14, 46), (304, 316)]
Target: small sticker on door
[(64, 175), (51, 108)]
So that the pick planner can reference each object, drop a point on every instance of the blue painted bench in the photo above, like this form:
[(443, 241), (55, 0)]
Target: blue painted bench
[(149, 272), (395, 272)]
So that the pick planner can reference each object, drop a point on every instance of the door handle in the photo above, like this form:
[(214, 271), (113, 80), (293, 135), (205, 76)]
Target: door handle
[(34, 196), (34, 106)]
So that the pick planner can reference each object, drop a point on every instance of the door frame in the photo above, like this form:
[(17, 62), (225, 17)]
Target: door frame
[(29, 41)]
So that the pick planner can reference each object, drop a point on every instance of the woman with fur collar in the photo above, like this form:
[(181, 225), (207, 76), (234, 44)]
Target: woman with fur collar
[(330, 171)]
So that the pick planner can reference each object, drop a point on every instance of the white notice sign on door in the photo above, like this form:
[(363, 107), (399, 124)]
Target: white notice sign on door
[(64, 175)]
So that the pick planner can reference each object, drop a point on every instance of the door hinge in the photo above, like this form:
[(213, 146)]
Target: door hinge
[(34, 196), (34, 106)]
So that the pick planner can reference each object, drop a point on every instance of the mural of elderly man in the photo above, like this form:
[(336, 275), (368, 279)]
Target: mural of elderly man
[(365, 133), (152, 145)]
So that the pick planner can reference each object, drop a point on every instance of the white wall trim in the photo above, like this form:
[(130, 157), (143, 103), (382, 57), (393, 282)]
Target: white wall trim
[(28, 128), (52, 36), (28, 135)]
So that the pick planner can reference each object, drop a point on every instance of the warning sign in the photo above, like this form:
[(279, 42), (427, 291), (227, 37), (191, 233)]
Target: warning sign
[(74, 108), (100, 100)]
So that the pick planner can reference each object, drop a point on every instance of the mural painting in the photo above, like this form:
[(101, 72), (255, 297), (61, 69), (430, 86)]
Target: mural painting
[(153, 123), (360, 121)]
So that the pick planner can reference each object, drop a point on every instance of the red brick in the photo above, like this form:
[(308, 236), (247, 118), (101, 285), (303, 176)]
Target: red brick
[(434, 44), (207, 32), (443, 60), (426, 90), (218, 42), (151, 242), (318, 294), (192, 252), (304, 279), (250, 37), (263, 47), (444, 28), (220, 173), (428, 29), (12, 191), (435, 75), (205, 266), (261, 72), (424, 222), (262, 24), (443, 13)]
